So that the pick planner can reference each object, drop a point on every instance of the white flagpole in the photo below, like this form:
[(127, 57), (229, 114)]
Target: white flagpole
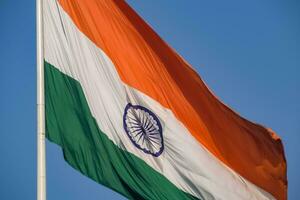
[(41, 153)]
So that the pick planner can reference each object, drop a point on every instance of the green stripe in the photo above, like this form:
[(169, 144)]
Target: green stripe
[(70, 124)]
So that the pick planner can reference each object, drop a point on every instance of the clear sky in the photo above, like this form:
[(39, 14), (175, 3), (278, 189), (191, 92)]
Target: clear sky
[(248, 52)]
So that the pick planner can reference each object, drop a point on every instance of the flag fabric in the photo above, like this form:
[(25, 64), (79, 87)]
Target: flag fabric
[(133, 115)]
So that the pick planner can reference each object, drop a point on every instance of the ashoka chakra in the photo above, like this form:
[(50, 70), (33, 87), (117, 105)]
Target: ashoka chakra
[(143, 129)]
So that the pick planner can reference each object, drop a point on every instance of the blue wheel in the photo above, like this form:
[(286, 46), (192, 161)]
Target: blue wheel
[(143, 129)]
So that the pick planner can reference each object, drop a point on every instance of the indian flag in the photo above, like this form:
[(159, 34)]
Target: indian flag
[(133, 115)]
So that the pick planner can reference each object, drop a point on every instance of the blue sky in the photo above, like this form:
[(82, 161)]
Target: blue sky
[(248, 52)]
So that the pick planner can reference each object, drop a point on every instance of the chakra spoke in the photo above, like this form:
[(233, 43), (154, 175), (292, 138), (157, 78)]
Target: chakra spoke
[(152, 129), (154, 141), (155, 132), (133, 119), (153, 137), (148, 124), (134, 127), (137, 130)]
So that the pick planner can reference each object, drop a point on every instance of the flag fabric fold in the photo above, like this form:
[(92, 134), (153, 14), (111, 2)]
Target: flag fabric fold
[(132, 115)]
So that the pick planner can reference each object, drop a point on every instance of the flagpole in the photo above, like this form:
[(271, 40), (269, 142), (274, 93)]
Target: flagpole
[(41, 151)]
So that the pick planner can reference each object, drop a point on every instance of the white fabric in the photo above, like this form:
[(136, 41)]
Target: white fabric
[(184, 161)]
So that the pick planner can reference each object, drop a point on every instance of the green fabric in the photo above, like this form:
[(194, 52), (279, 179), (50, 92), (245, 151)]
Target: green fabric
[(70, 124)]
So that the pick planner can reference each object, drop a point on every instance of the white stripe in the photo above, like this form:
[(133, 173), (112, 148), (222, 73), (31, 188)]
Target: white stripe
[(185, 162)]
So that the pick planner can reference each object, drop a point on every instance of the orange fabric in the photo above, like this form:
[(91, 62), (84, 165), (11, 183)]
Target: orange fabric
[(145, 62)]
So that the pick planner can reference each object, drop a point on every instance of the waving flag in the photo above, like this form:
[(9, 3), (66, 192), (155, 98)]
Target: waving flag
[(132, 115)]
